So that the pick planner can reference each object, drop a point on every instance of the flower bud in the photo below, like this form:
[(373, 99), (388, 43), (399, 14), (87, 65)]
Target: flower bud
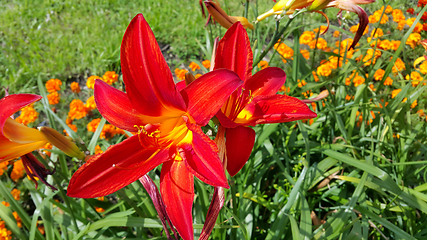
[(62, 142)]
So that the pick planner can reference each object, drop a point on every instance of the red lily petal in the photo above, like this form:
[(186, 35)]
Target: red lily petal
[(225, 121), (115, 106), (266, 82), (117, 167), (13, 103), (206, 95), (234, 52), (177, 189), (239, 144), (149, 82), (180, 85), (274, 109), (202, 158)]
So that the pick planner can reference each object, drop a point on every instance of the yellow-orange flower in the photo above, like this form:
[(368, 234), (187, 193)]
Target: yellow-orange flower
[(3, 167), (91, 81), (415, 77), (18, 219), (284, 50), (53, 98), (336, 34), (53, 85), (75, 87), (423, 67), (316, 78), (414, 104), (47, 146), (4, 232), (305, 53), (28, 115), (394, 45), (90, 103), (301, 83), (77, 110), (108, 132), (418, 27), (358, 80), (194, 66), (110, 77), (399, 65), (388, 81), (379, 74), (318, 43), (98, 150)]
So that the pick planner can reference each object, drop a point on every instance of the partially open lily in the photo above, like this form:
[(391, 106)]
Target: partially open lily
[(168, 124), (223, 18), (290, 6)]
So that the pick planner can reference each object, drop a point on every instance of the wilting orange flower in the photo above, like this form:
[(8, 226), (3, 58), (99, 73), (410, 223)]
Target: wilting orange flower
[(28, 115), (17, 171), (206, 64), (91, 81), (90, 103), (194, 66), (110, 77), (75, 87), (77, 110), (53, 85), (53, 98)]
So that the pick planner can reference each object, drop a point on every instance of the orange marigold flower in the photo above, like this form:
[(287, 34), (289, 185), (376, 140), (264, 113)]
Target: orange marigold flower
[(324, 70), (358, 80), (421, 113), (197, 76), (418, 27), (394, 45), (100, 210), (423, 67), (110, 77), (53, 98), (92, 125), (284, 89), (91, 81), (28, 115), (206, 64), (284, 50), (316, 78), (395, 92), (72, 126), (5, 203), (305, 53), (322, 29), (306, 37), (318, 43), (18, 219), (194, 66), (180, 73), (90, 103), (75, 87), (336, 34), (388, 81), (379, 74), (384, 45), (263, 64), (413, 40), (354, 28), (100, 198), (68, 121), (108, 132), (47, 146), (415, 77), (16, 194), (388, 9), (399, 65), (3, 167), (98, 150), (414, 104), (372, 87), (301, 83), (17, 171), (77, 110), (397, 15), (348, 97), (53, 85)]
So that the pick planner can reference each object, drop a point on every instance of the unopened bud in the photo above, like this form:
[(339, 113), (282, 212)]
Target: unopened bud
[(62, 142)]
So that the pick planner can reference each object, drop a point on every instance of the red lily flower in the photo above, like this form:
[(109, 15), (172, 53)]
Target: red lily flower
[(168, 124), (255, 102)]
